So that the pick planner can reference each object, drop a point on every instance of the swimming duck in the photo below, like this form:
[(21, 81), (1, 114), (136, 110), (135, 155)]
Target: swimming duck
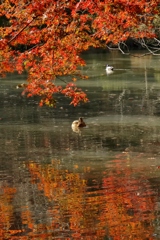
[(21, 85), (78, 123), (109, 69)]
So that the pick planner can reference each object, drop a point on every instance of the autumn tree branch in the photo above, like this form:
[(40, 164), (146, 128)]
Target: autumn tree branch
[(152, 50), (21, 30)]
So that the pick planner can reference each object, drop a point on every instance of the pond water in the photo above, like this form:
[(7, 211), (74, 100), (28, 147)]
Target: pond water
[(100, 183)]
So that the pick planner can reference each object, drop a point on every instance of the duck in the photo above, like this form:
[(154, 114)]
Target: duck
[(78, 123), (21, 85), (109, 68)]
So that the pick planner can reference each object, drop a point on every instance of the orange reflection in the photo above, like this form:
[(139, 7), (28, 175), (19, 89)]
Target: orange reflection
[(73, 205)]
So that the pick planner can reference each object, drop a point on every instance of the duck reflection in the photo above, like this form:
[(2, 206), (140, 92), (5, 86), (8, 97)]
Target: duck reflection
[(77, 125)]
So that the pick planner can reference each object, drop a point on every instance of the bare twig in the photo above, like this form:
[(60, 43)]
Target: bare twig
[(61, 79), (154, 49)]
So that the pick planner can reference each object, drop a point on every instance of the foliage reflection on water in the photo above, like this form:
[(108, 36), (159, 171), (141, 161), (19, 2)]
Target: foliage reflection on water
[(48, 201), (100, 184)]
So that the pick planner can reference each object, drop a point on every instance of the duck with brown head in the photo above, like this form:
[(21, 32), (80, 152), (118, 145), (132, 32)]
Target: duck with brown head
[(77, 124)]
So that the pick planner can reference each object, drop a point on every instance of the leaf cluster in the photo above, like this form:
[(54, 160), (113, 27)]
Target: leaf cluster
[(45, 38)]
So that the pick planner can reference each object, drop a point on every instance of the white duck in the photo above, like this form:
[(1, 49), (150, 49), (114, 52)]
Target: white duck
[(109, 69)]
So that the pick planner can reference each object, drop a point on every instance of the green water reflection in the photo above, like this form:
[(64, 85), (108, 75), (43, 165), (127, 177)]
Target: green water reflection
[(101, 183)]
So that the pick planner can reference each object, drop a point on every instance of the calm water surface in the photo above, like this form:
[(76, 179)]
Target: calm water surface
[(100, 183)]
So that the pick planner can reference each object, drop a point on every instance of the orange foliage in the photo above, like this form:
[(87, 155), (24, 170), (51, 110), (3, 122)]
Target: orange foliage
[(45, 38)]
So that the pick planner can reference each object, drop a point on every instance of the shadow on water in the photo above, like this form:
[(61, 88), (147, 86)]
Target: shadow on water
[(101, 182)]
